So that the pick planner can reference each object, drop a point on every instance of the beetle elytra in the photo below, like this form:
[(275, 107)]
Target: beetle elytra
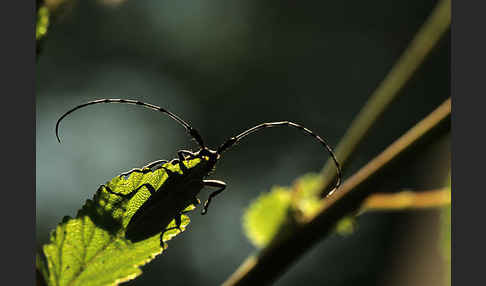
[(167, 202)]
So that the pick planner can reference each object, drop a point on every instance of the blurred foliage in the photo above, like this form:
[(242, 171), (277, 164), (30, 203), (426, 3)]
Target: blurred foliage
[(42, 22), (91, 249), (47, 12), (265, 216), (346, 225), (306, 191)]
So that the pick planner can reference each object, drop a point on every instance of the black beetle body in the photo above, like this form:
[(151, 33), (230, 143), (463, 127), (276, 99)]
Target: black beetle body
[(180, 190)]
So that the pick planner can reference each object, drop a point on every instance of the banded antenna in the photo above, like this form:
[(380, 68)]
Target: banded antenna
[(192, 132), (233, 140)]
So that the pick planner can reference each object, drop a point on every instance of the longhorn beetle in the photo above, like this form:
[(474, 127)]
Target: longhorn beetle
[(179, 190)]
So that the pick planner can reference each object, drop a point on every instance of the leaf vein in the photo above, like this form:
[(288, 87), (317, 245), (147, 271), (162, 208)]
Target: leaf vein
[(76, 276)]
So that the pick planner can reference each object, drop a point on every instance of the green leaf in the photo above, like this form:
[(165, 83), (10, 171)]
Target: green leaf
[(91, 249), (307, 188), (265, 215)]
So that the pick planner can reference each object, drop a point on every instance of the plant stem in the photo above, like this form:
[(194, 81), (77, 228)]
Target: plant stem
[(278, 256), (407, 200), (425, 40)]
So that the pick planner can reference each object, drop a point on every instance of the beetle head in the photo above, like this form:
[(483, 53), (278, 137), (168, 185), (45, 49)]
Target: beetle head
[(212, 156)]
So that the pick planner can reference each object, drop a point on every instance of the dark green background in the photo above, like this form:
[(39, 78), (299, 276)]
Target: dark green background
[(225, 66)]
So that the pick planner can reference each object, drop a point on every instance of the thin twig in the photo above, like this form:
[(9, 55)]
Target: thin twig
[(425, 40), (280, 254), (407, 200)]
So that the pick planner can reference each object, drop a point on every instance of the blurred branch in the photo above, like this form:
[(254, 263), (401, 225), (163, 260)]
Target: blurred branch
[(445, 236), (425, 40), (407, 200), (280, 254)]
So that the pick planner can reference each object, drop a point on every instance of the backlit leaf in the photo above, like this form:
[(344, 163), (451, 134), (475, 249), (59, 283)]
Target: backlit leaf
[(267, 214), (262, 220), (91, 249)]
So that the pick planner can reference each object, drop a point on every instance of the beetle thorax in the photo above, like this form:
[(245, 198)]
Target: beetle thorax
[(207, 161)]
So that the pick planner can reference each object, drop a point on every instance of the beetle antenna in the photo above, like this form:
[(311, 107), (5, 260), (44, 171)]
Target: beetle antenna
[(192, 132), (233, 140)]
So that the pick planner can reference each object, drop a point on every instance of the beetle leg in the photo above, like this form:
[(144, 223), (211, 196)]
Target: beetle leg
[(161, 239), (108, 189), (183, 156), (135, 170), (129, 195), (182, 153), (181, 161), (155, 163), (212, 183), (143, 170), (149, 187), (178, 221), (196, 201), (169, 172), (126, 196)]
